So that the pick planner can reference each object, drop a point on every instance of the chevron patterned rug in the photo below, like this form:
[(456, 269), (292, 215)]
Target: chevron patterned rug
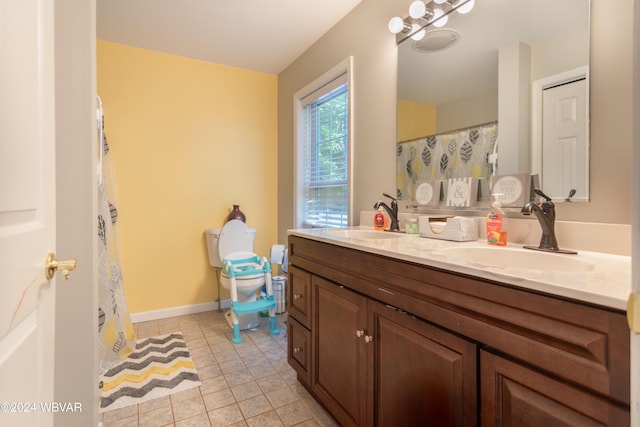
[(158, 367)]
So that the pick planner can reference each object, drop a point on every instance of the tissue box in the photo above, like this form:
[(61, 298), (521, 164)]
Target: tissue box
[(456, 228)]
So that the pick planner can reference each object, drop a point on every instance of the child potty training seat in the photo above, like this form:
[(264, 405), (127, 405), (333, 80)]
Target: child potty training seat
[(244, 273), (253, 266)]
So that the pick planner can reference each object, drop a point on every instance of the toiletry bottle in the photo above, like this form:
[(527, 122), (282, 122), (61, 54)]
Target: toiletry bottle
[(411, 226), (379, 219), (496, 233)]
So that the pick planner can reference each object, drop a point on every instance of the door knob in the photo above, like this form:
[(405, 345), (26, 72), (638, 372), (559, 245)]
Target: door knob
[(52, 265)]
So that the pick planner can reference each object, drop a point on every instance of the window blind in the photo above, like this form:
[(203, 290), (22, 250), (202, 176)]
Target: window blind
[(325, 156)]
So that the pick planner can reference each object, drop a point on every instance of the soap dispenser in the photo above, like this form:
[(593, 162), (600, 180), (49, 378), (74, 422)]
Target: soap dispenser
[(496, 223), (379, 220)]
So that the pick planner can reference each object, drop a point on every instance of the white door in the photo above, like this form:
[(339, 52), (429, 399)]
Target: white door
[(27, 211), (565, 151)]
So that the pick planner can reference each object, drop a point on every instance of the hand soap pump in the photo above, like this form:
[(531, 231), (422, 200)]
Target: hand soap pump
[(379, 221), (496, 224)]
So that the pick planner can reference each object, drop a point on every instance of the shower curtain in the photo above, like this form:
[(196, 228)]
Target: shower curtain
[(115, 329)]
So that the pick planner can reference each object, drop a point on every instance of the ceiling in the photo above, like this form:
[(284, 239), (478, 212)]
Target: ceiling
[(254, 35)]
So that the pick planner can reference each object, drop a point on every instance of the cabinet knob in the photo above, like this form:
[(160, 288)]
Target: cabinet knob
[(297, 296), (368, 339), (359, 333), (297, 349)]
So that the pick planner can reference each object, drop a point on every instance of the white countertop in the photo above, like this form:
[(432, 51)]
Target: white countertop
[(605, 281)]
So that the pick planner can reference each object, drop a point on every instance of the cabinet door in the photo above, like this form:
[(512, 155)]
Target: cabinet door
[(338, 374), (300, 295), (420, 374), (299, 354), (513, 395)]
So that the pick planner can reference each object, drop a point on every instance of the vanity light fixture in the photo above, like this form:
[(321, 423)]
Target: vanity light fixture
[(418, 34), (417, 9), (423, 15), (439, 18), (397, 25), (466, 8)]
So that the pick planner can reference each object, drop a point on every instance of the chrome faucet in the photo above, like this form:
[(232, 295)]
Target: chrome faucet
[(545, 213), (392, 211)]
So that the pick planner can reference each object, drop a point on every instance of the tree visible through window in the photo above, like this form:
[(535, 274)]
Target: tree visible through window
[(325, 165)]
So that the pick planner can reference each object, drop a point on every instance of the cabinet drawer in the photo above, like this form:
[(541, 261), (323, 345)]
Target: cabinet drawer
[(299, 289), (299, 353)]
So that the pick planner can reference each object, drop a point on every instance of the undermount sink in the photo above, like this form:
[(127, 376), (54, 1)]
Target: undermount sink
[(510, 258), (364, 234)]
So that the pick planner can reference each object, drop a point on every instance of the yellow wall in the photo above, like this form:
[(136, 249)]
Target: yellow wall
[(415, 120), (188, 140)]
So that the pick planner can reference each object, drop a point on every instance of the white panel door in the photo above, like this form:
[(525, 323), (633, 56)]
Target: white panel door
[(27, 211), (565, 161)]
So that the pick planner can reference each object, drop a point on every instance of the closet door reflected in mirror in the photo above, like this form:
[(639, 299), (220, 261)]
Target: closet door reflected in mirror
[(563, 139)]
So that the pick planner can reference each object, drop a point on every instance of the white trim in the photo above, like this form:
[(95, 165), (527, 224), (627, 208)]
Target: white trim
[(346, 66), (350, 161), (145, 316), (635, 213), (536, 117)]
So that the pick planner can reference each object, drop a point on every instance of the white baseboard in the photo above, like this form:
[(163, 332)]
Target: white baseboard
[(183, 310)]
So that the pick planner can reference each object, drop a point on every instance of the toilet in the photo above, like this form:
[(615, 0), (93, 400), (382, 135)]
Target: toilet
[(243, 274)]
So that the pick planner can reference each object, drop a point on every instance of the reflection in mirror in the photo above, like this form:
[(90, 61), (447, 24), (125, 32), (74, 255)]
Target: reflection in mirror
[(521, 64)]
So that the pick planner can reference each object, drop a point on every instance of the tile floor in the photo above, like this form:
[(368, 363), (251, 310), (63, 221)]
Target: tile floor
[(249, 384)]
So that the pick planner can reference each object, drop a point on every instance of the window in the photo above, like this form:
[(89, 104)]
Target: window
[(322, 152)]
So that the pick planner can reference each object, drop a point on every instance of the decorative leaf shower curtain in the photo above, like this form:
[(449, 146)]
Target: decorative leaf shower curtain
[(115, 329)]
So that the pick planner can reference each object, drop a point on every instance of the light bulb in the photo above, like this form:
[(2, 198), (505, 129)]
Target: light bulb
[(420, 34), (466, 8), (417, 9), (439, 1), (396, 24), (438, 19)]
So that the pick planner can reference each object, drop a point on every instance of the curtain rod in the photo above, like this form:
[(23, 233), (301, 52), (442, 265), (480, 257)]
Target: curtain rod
[(494, 122)]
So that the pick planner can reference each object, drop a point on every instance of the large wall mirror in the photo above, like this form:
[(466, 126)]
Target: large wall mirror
[(517, 68)]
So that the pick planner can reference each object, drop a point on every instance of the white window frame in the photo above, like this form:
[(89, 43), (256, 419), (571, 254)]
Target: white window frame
[(344, 68)]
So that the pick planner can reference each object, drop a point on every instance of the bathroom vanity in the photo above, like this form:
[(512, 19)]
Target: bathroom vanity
[(403, 331)]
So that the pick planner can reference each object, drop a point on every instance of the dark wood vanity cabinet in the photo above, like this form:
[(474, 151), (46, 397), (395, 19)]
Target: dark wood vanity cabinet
[(384, 342)]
